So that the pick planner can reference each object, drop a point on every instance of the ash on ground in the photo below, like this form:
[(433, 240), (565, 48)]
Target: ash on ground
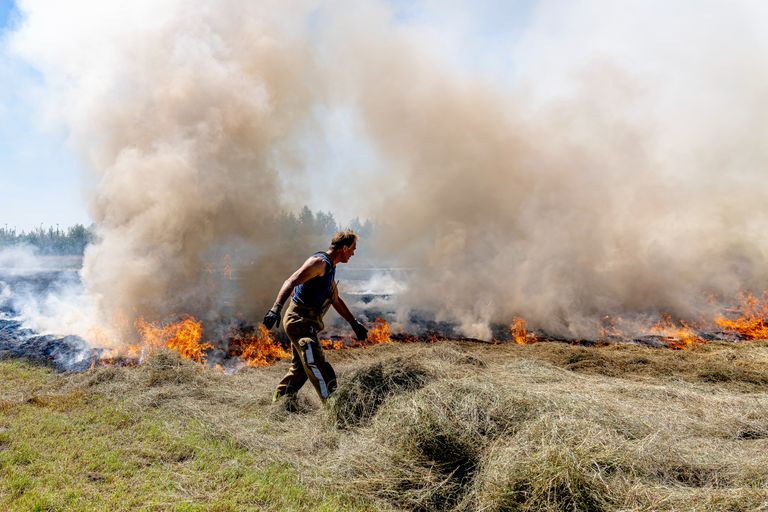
[(65, 353)]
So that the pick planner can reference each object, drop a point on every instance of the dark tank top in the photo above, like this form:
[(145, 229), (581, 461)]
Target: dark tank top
[(315, 292)]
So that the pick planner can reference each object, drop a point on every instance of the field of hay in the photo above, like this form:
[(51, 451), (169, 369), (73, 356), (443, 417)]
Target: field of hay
[(445, 426)]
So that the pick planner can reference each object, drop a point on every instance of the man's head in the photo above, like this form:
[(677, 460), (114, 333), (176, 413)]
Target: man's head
[(343, 245)]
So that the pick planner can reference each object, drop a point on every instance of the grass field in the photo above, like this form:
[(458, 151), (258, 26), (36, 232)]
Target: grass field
[(449, 426)]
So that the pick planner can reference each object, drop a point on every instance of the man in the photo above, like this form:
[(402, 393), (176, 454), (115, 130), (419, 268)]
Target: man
[(314, 291)]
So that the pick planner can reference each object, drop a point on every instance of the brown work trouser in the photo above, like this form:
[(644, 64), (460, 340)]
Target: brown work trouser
[(302, 326)]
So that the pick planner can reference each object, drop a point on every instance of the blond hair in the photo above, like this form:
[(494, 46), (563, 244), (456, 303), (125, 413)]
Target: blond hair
[(343, 239)]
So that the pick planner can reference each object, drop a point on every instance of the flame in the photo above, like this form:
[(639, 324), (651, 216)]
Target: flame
[(259, 348), (380, 332), (751, 323), (329, 344), (681, 336), (610, 328), (520, 334), (182, 336)]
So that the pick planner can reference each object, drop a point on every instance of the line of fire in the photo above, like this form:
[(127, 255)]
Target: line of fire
[(247, 344)]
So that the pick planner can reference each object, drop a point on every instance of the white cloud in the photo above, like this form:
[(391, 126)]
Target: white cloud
[(40, 180)]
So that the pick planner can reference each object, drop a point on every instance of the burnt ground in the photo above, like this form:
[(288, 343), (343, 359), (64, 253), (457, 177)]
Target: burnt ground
[(65, 353)]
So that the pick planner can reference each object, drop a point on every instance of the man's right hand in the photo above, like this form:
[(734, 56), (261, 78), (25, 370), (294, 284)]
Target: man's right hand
[(271, 319), (361, 333)]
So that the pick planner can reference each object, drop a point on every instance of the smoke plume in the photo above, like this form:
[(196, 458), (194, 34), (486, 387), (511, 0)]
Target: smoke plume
[(617, 175), (606, 160), (184, 113)]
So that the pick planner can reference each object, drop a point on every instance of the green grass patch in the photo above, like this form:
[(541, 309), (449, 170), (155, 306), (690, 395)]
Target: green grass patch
[(77, 450)]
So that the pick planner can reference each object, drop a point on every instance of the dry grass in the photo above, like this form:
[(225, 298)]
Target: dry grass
[(367, 389), (432, 443), (555, 427), (457, 426)]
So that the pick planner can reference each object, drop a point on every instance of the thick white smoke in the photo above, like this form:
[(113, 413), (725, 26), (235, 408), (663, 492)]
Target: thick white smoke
[(620, 173), (611, 163), (184, 112)]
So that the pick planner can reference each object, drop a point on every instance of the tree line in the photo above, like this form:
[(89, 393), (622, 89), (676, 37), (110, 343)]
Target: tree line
[(74, 239), (322, 224), (53, 240)]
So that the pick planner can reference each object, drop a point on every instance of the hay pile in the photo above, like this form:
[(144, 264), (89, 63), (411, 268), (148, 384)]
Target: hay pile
[(424, 449), (525, 435), (363, 392), (466, 427)]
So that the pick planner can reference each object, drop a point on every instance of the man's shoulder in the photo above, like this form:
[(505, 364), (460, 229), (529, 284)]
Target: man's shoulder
[(316, 260), (320, 260), (320, 256)]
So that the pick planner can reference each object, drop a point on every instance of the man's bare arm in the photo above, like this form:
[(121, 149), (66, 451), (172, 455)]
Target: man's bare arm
[(313, 267), (340, 307)]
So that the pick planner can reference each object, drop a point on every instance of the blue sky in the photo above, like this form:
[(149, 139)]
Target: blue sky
[(6, 7), (40, 181)]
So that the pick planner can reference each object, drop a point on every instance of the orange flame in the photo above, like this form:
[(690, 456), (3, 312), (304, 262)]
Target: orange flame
[(329, 344), (380, 332), (681, 336), (182, 336), (258, 349), (751, 323), (610, 327), (520, 333)]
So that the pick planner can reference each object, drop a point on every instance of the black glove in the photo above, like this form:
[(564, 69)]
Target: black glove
[(361, 333), (272, 318)]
